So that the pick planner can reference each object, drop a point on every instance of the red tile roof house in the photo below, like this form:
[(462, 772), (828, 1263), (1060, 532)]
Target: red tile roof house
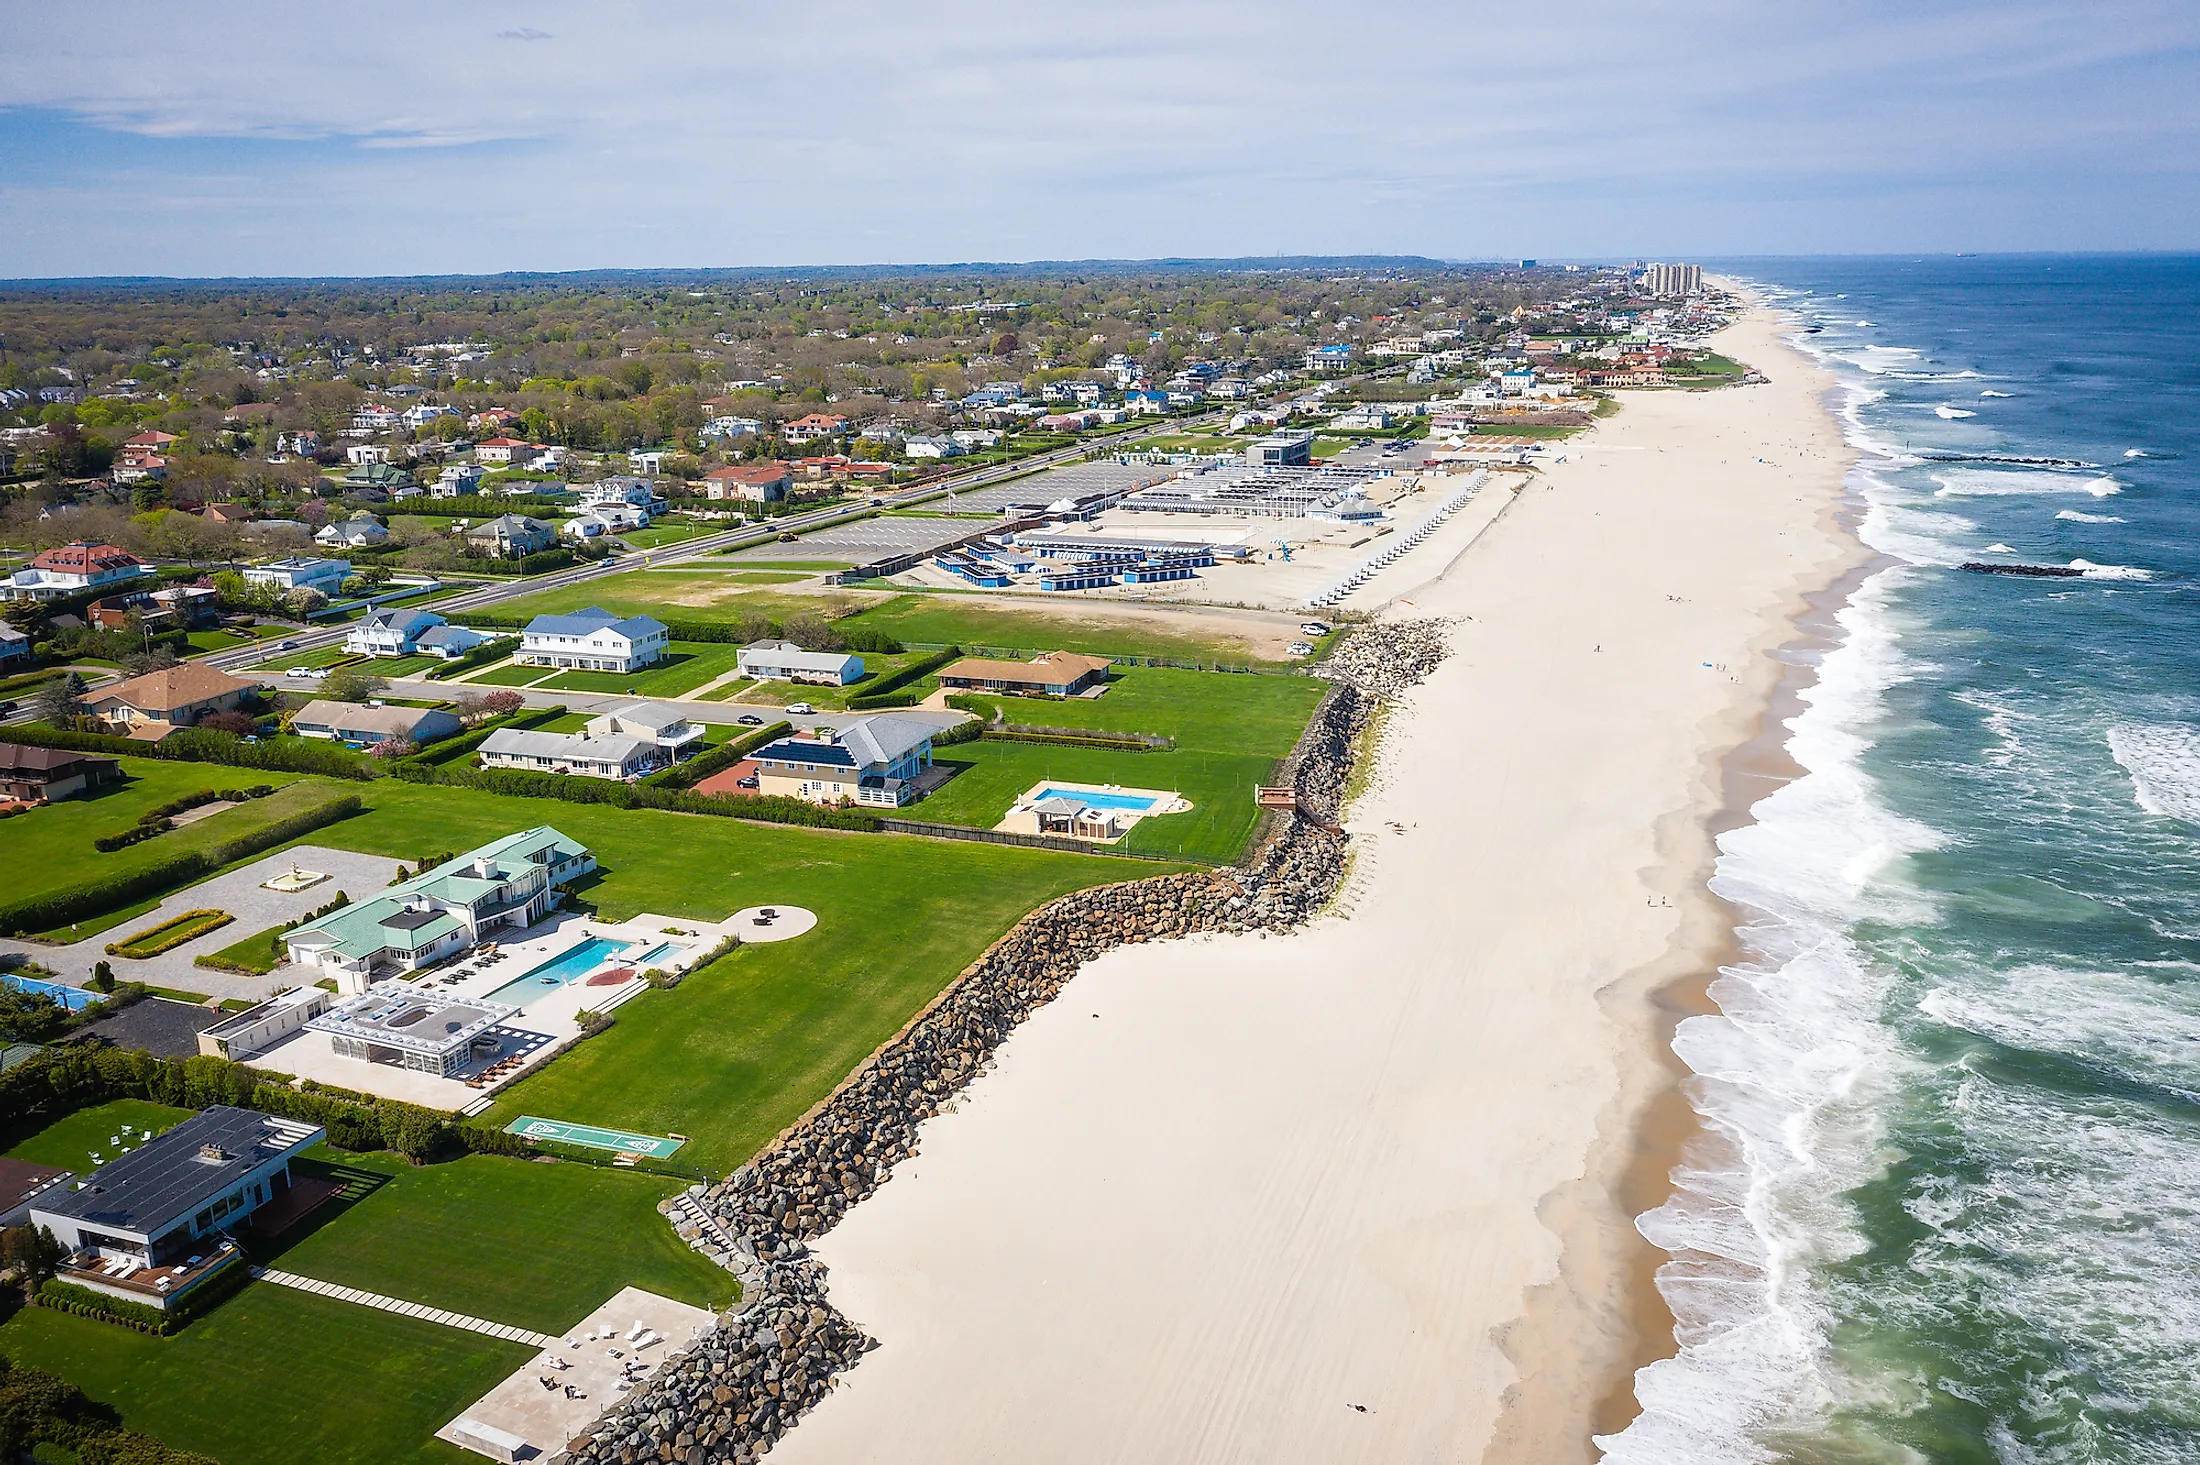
[(761, 483), (809, 429), (71, 569), (504, 450), (156, 704)]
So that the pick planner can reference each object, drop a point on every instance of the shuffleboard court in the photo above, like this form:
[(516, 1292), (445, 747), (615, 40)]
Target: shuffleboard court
[(656, 1147)]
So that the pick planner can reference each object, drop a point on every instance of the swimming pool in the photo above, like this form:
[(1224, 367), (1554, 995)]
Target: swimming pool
[(561, 971), (75, 999), (1128, 803)]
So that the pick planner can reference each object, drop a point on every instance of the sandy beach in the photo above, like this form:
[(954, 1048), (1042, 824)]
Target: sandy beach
[(1366, 1192)]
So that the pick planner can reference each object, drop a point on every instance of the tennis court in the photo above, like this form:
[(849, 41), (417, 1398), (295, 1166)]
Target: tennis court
[(557, 1130)]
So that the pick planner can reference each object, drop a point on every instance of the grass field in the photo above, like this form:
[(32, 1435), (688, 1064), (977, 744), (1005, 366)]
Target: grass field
[(971, 620), (715, 594), (1220, 786), (200, 641), (509, 674), (686, 666), (1215, 711), (536, 1245), (262, 952), (275, 1376), (71, 1141), (50, 848), (733, 688)]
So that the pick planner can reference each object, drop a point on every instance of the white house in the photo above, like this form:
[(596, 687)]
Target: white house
[(625, 492), (931, 447), (420, 414), (361, 453), (457, 479), (647, 460), (609, 519), (783, 661), (593, 640), (669, 730), (584, 753), (720, 428), (449, 642), (351, 534), (301, 573), (388, 631), (70, 568)]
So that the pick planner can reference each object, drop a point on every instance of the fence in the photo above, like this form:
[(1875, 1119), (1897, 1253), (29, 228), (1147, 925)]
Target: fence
[(1033, 841)]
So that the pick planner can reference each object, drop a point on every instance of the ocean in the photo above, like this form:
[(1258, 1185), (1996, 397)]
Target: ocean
[(1948, 1204)]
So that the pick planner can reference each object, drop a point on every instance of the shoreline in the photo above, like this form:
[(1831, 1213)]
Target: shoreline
[(1350, 1193)]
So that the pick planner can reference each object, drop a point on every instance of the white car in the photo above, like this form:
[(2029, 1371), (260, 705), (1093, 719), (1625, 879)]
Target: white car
[(307, 673), (1299, 648), (1313, 628), (800, 709)]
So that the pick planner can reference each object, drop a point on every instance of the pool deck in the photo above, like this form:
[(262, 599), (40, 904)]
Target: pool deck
[(546, 1027), (1162, 802)]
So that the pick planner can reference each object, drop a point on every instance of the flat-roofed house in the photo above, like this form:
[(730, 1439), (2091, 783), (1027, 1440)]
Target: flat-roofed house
[(388, 631), (147, 1225), (301, 572), (358, 725), (71, 569), (609, 755), (873, 762), (783, 661), (506, 884), (156, 704), (593, 639), (419, 1028), (42, 775), (1054, 674)]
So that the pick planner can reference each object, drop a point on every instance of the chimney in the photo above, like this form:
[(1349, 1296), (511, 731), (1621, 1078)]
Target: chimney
[(485, 868)]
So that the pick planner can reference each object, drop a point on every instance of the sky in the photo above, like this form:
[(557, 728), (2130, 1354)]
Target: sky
[(176, 137)]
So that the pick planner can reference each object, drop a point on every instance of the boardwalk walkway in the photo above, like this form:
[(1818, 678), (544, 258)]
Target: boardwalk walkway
[(404, 1309)]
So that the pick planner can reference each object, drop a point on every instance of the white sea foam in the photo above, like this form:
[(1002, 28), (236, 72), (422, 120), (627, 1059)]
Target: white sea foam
[(2163, 760), (2080, 516), (1999, 549), (2144, 1030), (1786, 1076), (2092, 571), (1921, 536), (1953, 412), (1990, 392), (2135, 452), (1879, 360), (2003, 482)]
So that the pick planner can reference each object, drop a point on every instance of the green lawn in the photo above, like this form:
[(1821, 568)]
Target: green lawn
[(663, 532), (536, 1245), (70, 1142), (200, 641), (1220, 786), (686, 666), (262, 951), (511, 675), (729, 689), (1220, 712), (971, 620), (50, 847), (323, 656), (680, 594), (399, 666), (275, 1376)]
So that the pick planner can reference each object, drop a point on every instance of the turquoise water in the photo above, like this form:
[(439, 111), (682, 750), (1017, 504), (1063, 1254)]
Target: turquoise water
[(1129, 803), (561, 971), (1948, 1206), (75, 999)]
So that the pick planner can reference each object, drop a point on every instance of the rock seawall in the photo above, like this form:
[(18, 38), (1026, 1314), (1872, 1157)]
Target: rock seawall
[(741, 1386)]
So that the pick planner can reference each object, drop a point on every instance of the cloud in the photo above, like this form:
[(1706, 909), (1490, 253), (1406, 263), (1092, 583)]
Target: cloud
[(685, 132)]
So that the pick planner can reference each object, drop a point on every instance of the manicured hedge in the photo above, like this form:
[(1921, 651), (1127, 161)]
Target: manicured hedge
[(481, 655), (84, 1302), (1070, 740), (204, 745), (59, 907), (574, 789), (881, 692), (718, 759), (168, 935), (961, 732), (450, 750)]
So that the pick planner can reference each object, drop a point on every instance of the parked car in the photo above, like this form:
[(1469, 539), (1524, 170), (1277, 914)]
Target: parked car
[(789, 537), (309, 673), (801, 709), (1299, 648), (749, 782), (1313, 628), (749, 719)]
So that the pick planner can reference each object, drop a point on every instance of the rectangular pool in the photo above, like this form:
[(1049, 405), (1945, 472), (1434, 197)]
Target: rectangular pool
[(1128, 803), (561, 971)]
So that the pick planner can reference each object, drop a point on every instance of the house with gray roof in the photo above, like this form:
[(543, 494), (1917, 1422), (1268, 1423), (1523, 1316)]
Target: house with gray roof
[(589, 754), (783, 661), (360, 726), (875, 761), (511, 535), (593, 639), (507, 884), (388, 631)]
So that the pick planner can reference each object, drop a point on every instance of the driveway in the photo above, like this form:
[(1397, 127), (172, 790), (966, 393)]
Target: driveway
[(238, 893)]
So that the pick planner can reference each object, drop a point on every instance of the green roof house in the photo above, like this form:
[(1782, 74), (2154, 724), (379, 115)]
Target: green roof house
[(505, 885)]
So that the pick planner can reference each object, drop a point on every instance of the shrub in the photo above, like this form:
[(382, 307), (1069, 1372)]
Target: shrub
[(481, 655), (170, 934), (882, 693), (84, 1302), (204, 745)]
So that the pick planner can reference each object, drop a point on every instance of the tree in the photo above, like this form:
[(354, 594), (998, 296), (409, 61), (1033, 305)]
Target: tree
[(157, 658), (103, 976), (496, 704), (393, 748), (352, 685), (304, 601), (59, 702), (32, 1249), (238, 724), (28, 1017)]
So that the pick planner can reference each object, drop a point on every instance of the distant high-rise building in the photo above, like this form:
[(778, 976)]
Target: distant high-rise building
[(1673, 279)]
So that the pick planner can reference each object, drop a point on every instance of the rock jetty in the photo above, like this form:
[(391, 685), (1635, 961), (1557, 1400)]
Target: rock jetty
[(745, 1383)]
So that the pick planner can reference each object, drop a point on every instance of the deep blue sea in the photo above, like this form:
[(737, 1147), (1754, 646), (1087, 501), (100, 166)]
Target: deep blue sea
[(1949, 1208)]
